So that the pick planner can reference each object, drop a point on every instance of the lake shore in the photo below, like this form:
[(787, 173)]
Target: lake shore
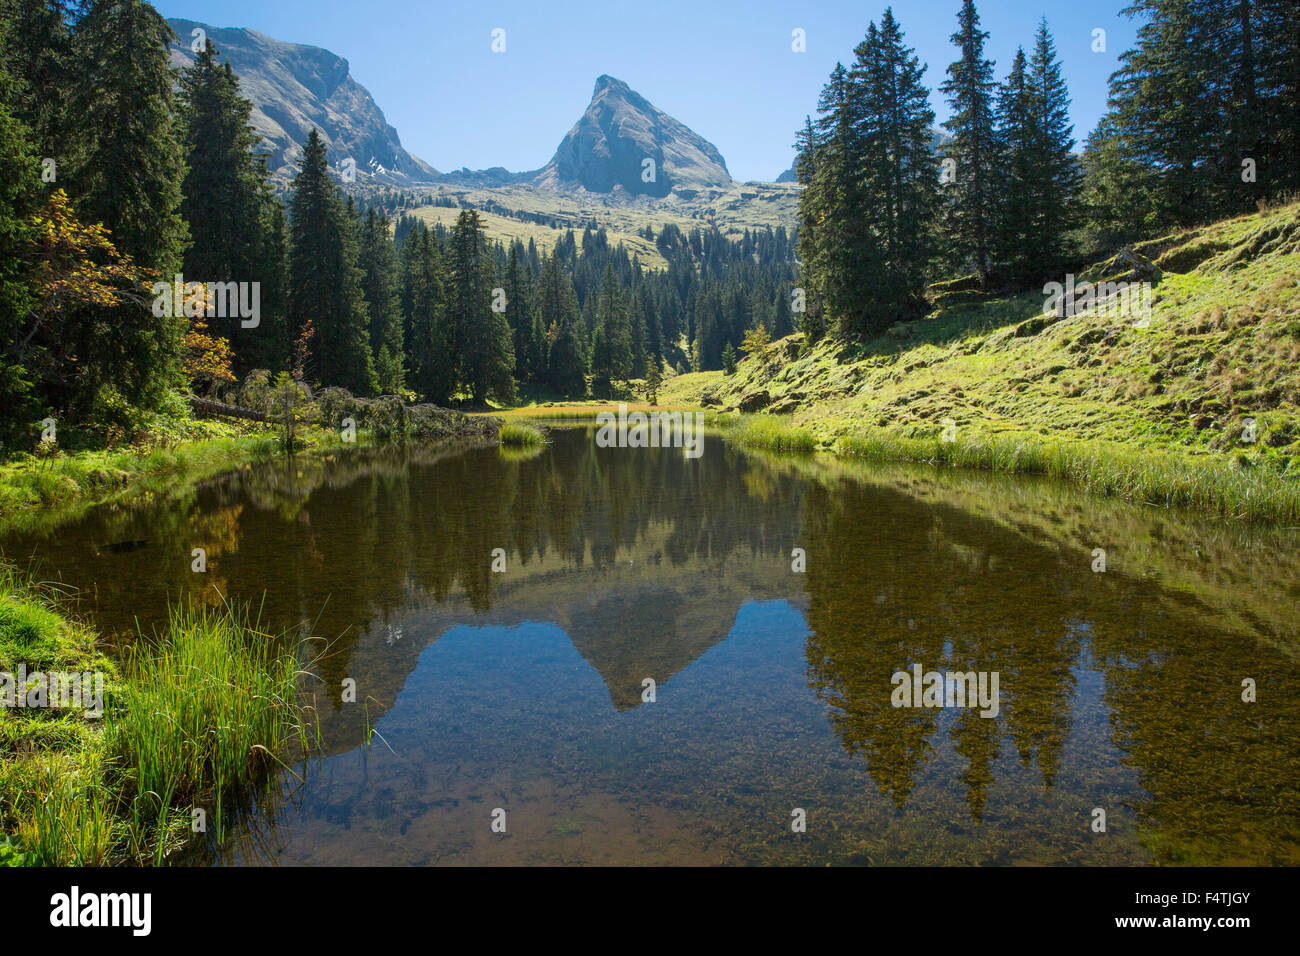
[(97, 778), (43, 489), (1162, 476)]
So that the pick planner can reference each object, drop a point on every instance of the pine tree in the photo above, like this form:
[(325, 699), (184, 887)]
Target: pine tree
[(830, 205), (225, 197), (487, 355), (654, 380), (1054, 173), (41, 65), (1019, 137), (611, 350), (271, 348), (972, 207), (325, 285), (557, 309), (901, 172), (379, 281), (432, 360), (127, 175), (519, 314), (18, 189), (1204, 102), (636, 337)]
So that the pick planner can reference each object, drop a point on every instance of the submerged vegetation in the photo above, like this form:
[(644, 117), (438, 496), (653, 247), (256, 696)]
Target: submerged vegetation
[(191, 718)]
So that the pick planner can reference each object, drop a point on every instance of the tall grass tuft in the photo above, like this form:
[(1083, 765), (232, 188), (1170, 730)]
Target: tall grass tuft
[(1152, 476), (204, 713), (70, 819), (771, 432), (518, 435)]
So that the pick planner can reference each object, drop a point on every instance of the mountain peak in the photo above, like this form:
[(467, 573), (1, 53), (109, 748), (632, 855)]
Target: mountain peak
[(623, 142), (605, 81), (295, 88)]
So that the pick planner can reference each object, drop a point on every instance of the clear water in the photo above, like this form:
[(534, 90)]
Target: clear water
[(523, 690)]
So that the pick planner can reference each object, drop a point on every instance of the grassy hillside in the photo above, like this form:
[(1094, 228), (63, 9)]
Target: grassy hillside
[(1221, 348), (743, 206), (506, 229)]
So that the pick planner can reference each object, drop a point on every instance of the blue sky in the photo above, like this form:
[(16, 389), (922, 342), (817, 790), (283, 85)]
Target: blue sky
[(725, 69)]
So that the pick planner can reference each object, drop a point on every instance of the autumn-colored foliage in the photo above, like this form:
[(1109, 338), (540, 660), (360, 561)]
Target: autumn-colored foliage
[(72, 265), (207, 357)]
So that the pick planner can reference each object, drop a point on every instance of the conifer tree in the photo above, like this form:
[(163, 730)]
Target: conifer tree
[(1018, 135), (378, 263), (127, 174), (557, 309), (225, 201), (18, 190), (1054, 171), (487, 355), (972, 197), (1202, 114), (519, 313), (432, 360), (901, 194), (325, 283), (41, 65), (636, 336), (611, 350)]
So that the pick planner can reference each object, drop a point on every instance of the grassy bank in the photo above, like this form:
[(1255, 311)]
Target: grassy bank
[(1151, 476), (772, 432), (583, 411), (52, 485), (189, 719), (59, 486), (1196, 403)]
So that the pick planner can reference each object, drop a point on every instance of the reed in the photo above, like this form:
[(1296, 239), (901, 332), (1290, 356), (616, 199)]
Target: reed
[(1219, 486), (518, 435), (204, 713), (772, 432)]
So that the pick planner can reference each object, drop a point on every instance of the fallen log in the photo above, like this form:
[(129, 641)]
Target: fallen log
[(209, 408)]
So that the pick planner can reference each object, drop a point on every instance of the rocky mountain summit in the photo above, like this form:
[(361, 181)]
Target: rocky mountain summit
[(624, 142), (295, 87)]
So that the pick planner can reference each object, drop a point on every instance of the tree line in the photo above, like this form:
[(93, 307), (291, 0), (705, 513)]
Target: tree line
[(1201, 124), (120, 172)]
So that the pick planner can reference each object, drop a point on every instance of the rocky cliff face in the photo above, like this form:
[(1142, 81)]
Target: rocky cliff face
[(625, 143), (295, 87)]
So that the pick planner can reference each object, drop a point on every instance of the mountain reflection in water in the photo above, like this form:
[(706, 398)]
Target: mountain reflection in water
[(524, 690)]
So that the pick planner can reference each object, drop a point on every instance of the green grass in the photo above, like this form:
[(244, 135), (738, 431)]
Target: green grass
[(578, 411), (196, 716), (1156, 411), (1152, 476), (519, 435), (33, 488), (771, 432), (38, 491), (204, 713)]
